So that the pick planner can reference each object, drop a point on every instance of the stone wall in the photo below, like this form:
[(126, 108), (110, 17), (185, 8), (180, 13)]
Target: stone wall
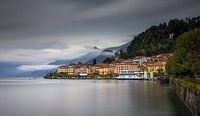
[(188, 95)]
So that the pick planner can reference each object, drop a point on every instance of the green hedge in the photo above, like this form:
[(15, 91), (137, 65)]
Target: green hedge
[(188, 83)]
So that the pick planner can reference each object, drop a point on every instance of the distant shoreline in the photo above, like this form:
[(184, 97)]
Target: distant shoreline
[(95, 79)]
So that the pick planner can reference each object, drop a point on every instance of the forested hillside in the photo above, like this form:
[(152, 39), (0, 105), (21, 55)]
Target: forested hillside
[(159, 39)]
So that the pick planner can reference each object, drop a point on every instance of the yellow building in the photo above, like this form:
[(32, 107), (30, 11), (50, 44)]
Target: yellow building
[(70, 70), (156, 63), (82, 69), (62, 69), (75, 69), (103, 69), (155, 67)]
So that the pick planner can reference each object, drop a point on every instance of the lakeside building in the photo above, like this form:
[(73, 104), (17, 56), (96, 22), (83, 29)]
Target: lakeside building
[(70, 70), (155, 63), (123, 68), (159, 58), (75, 69), (82, 69), (103, 69), (140, 59), (127, 69), (125, 65), (66, 69), (156, 67), (62, 69)]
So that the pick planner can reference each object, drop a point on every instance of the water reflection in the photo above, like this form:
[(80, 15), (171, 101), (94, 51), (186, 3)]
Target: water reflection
[(88, 98)]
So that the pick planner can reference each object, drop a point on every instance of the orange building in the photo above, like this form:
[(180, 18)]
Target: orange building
[(125, 66)]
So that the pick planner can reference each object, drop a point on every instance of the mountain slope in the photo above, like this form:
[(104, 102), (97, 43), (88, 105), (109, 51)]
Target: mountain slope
[(98, 54), (108, 53), (8, 69), (118, 48), (82, 59)]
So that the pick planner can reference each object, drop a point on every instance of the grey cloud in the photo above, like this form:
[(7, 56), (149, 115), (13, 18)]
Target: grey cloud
[(36, 17), (62, 24)]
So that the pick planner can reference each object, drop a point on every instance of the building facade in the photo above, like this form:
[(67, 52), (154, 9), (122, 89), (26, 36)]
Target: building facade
[(125, 66), (103, 69)]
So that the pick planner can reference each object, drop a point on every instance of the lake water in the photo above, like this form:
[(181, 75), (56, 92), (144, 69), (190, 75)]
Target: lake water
[(23, 97)]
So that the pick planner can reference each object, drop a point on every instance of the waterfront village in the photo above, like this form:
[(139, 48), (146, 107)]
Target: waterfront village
[(140, 67)]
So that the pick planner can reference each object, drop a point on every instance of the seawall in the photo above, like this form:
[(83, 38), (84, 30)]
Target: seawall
[(189, 94)]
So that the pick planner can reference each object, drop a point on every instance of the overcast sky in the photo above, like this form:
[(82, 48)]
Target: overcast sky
[(40, 31)]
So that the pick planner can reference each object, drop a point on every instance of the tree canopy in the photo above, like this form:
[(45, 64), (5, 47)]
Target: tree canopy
[(108, 60), (186, 58), (94, 62), (160, 39)]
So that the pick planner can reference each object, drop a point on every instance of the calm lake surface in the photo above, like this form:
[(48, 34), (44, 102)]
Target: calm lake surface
[(23, 97)]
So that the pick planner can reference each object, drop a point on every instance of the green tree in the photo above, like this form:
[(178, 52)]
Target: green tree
[(80, 63), (94, 62), (123, 54), (108, 60), (185, 60)]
